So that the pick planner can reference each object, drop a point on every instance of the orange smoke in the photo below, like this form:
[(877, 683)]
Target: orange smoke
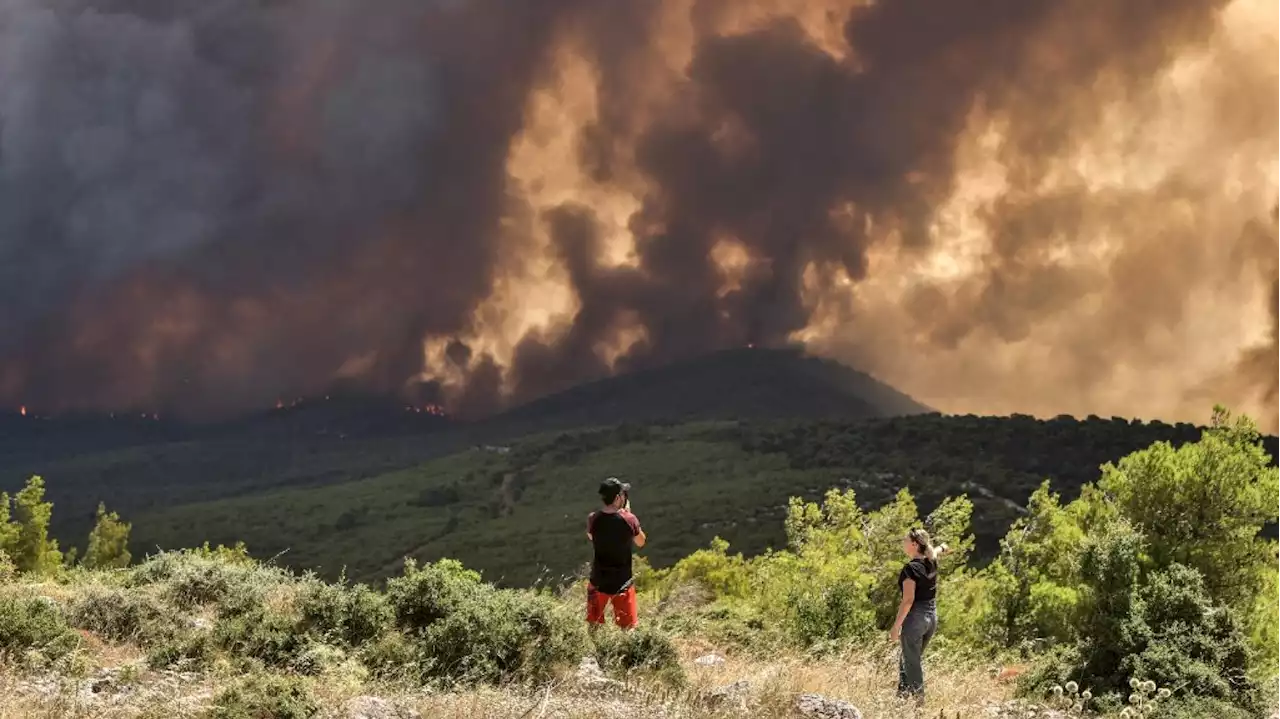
[(1040, 206), (1104, 276)]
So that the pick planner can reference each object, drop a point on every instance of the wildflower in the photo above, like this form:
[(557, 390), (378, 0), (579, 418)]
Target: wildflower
[(1133, 682), (1164, 693), (1057, 690), (1072, 687), (1077, 707), (1134, 698), (1126, 713), (1086, 695), (1148, 686)]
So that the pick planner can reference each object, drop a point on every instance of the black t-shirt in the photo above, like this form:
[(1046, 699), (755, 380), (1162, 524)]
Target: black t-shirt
[(611, 535), (925, 574)]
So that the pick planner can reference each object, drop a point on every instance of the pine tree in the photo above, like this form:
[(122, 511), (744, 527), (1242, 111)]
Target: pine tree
[(8, 530), (33, 551), (8, 538), (108, 542)]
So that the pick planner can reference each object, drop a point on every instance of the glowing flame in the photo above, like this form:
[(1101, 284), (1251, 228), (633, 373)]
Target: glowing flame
[(431, 409)]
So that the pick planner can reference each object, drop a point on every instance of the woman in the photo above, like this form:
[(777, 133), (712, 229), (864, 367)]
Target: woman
[(917, 619)]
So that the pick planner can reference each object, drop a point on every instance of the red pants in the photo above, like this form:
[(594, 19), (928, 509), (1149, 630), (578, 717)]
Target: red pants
[(625, 612)]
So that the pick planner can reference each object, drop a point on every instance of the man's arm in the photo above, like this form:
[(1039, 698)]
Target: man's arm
[(591, 521), (637, 534)]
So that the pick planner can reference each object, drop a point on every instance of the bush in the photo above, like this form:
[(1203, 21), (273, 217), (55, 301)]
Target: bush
[(500, 636), (393, 657), (260, 634), (645, 649), (124, 616), (1165, 629), (351, 616), (266, 697), (207, 577), (1201, 707), (1178, 637), (191, 650), (34, 624), (825, 615), (427, 594)]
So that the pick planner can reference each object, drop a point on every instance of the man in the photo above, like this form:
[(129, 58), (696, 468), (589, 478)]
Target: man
[(612, 531)]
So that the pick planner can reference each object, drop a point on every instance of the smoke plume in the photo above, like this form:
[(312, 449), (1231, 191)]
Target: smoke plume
[(1034, 206)]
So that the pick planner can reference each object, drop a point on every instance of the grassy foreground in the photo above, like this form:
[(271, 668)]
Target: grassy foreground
[(167, 639)]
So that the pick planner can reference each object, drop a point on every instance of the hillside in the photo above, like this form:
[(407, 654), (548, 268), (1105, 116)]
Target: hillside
[(139, 463), (516, 512), (733, 384)]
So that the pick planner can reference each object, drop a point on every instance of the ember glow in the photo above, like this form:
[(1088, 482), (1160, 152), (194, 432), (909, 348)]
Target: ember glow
[(1040, 206)]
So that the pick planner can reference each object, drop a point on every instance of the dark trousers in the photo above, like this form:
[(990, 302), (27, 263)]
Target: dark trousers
[(918, 628)]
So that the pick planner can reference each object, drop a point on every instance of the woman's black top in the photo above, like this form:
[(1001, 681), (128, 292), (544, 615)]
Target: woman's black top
[(924, 572)]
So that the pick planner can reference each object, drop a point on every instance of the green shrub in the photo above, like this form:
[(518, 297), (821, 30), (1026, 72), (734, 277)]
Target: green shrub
[(194, 578), (393, 657), (351, 616), (645, 648), (123, 615), (266, 696), (1200, 708), (500, 636), (191, 650), (427, 594), (8, 570), (34, 624), (1165, 629), (267, 636), (1178, 637), (828, 614)]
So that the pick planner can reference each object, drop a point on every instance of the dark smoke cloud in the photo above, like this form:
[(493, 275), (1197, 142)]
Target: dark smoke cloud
[(206, 205)]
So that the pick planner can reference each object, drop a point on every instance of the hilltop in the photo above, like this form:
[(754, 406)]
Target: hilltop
[(743, 383)]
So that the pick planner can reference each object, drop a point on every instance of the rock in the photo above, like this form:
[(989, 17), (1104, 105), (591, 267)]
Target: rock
[(710, 660), (369, 707), (589, 674), (731, 695), (816, 705)]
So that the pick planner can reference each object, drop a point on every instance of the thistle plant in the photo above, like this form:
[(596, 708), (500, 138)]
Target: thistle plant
[(1143, 699), (1069, 699)]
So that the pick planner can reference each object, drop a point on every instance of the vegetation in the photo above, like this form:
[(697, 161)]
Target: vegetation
[(693, 482), (1151, 592)]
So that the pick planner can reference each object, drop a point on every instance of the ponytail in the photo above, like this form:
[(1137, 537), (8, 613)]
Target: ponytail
[(921, 539)]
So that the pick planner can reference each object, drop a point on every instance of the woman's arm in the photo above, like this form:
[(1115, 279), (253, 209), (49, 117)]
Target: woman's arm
[(908, 598)]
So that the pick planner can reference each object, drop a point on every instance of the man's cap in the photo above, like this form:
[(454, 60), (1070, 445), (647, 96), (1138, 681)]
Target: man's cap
[(612, 487)]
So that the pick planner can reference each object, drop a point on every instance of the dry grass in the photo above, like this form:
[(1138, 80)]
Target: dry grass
[(865, 679)]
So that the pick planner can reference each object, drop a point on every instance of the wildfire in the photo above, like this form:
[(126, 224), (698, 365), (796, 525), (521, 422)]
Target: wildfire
[(431, 409)]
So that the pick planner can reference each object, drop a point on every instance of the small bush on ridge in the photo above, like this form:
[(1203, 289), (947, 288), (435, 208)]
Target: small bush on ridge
[(34, 624), (122, 615), (427, 594), (349, 615), (266, 696)]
